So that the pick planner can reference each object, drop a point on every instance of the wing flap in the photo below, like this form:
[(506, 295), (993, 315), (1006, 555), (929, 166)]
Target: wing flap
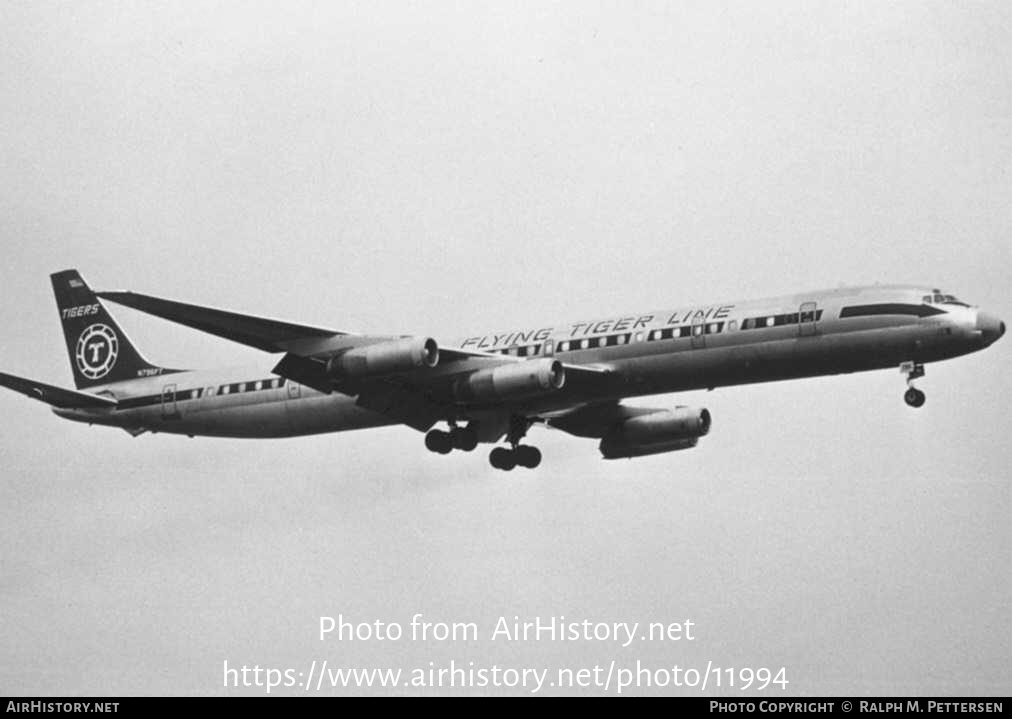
[(52, 395)]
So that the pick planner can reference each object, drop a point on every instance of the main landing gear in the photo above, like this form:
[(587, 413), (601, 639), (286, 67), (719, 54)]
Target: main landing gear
[(518, 455), (505, 458), (462, 438), (913, 396)]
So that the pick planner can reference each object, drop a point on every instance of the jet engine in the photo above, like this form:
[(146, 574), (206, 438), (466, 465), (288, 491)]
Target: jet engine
[(517, 380), (661, 431), (385, 358)]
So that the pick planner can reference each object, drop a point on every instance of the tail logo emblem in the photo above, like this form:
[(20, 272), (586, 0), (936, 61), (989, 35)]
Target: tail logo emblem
[(96, 352)]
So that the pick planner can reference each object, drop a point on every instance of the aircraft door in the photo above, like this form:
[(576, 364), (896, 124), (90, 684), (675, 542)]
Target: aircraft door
[(698, 332), (169, 408), (807, 319), (293, 390)]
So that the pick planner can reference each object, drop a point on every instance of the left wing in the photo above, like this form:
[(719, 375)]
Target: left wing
[(272, 335), (263, 333), (308, 349)]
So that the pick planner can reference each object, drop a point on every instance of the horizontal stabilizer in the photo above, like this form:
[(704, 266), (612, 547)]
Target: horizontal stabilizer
[(55, 396), (260, 332)]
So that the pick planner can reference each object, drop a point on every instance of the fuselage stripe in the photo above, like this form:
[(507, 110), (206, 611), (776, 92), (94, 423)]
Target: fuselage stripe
[(183, 395), (893, 308)]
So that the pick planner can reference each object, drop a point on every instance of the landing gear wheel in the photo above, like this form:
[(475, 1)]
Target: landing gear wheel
[(502, 458), (439, 442), (464, 438), (527, 456), (914, 397)]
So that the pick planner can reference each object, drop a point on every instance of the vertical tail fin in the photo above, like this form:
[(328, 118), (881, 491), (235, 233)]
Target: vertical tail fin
[(99, 350)]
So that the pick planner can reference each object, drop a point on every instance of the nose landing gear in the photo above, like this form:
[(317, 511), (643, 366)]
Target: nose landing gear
[(913, 396)]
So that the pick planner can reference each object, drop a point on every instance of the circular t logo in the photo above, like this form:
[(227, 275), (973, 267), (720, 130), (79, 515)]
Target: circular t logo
[(97, 348)]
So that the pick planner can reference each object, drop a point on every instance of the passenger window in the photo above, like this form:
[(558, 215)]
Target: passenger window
[(732, 325)]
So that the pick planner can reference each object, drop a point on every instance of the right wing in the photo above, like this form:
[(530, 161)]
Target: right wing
[(55, 396)]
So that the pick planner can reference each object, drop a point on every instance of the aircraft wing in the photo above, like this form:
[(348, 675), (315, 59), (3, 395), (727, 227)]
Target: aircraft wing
[(55, 396), (271, 335), (263, 333), (417, 397)]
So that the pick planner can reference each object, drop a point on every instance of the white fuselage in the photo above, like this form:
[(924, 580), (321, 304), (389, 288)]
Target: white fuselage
[(703, 346)]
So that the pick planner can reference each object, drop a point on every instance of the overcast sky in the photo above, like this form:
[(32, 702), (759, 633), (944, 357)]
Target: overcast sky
[(447, 169)]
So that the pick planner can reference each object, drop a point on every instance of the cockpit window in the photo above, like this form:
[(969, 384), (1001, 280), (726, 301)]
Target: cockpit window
[(938, 298)]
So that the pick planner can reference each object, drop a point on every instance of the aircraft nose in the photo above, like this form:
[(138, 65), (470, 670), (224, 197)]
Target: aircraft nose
[(990, 327)]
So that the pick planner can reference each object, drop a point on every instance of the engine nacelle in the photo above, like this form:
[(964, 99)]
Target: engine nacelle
[(661, 431), (622, 450), (517, 380), (385, 358)]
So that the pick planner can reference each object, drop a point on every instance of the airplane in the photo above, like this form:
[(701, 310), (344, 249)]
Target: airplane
[(491, 387)]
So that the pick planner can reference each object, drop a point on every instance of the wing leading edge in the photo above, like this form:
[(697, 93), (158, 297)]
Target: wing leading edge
[(263, 333)]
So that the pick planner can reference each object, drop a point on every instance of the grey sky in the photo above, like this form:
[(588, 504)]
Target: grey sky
[(452, 168)]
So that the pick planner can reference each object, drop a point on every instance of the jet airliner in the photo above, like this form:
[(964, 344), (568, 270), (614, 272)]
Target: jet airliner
[(492, 388)]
